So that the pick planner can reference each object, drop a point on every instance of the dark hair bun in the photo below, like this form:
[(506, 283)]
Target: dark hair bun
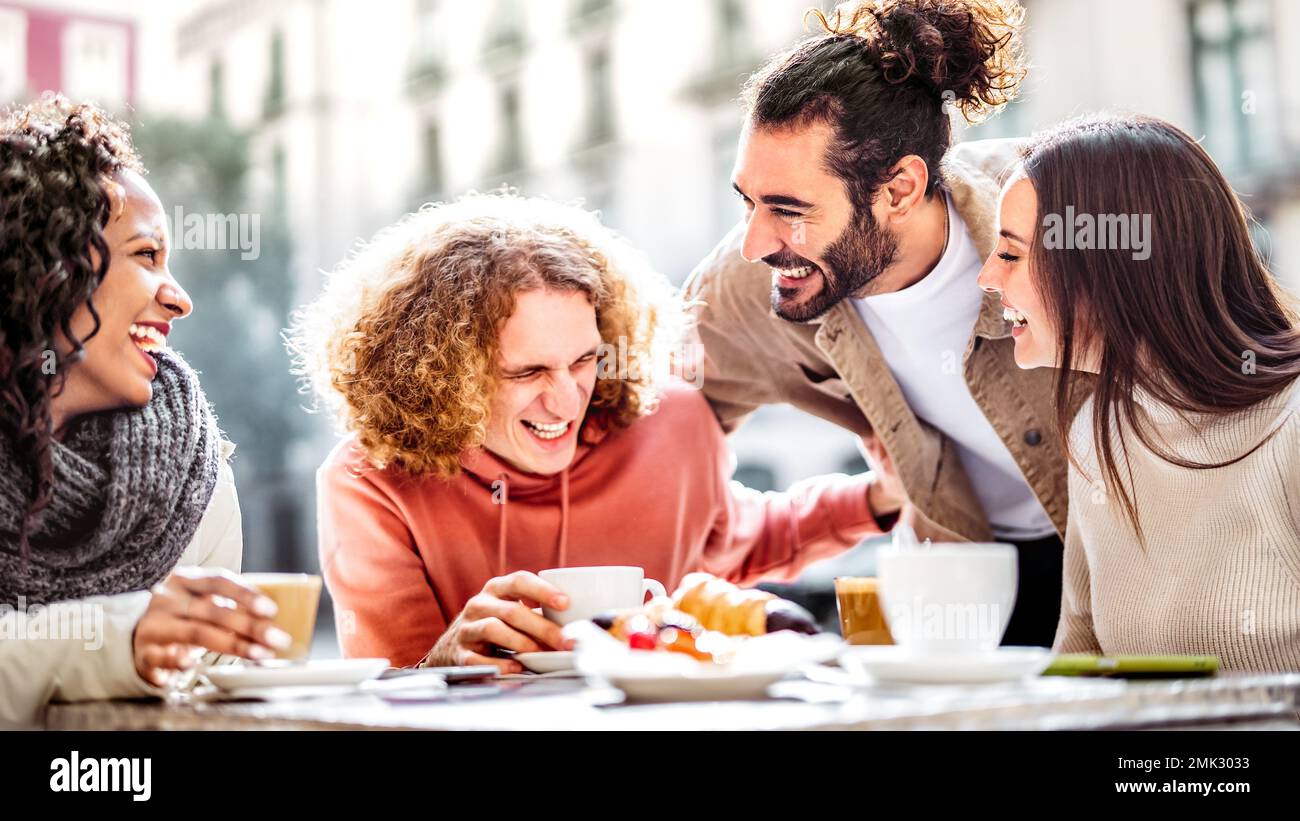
[(968, 52)]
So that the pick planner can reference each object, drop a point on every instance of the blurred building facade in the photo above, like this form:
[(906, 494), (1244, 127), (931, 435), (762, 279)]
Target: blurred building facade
[(87, 50), (359, 112), (364, 111), (1219, 69)]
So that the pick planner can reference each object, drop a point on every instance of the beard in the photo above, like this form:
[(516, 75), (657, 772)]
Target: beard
[(853, 261)]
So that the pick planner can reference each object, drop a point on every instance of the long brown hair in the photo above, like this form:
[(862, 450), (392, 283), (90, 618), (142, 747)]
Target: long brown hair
[(1199, 325)]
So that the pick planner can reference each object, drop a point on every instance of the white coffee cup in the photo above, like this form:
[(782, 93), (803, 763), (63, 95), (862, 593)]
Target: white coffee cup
[(948, 598), (595, 590)]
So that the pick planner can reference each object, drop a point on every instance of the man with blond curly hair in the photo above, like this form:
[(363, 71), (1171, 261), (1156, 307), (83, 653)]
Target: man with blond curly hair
[(502, 367)]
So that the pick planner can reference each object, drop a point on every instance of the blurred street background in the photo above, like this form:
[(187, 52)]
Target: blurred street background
[(328, 119)]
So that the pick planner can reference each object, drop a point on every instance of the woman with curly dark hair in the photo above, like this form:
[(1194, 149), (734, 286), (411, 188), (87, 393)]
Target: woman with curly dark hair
[(502, 364), (116, 501)]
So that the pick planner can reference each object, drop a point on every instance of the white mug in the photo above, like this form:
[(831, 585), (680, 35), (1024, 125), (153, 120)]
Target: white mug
[(595, 590), (948, 598)]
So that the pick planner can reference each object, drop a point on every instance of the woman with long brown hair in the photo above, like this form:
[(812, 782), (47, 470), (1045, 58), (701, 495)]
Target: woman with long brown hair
[(1124, 253)]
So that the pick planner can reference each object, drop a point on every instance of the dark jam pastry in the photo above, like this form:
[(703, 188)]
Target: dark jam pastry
[(786, 615)]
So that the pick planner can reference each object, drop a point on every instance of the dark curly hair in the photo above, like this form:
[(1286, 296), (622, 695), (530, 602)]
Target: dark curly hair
[(879, 74), (55, 157)]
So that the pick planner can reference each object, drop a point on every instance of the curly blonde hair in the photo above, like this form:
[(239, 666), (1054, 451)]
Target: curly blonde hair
[(403, 341)]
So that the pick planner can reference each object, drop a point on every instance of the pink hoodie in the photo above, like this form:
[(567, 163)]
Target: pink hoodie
[(401, 555)]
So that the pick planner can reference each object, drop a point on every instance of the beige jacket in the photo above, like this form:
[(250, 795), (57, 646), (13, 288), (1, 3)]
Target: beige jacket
[(832, 368), (98, 662)]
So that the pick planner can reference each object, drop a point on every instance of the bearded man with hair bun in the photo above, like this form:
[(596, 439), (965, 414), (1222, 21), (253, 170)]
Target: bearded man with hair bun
[(849, 289)]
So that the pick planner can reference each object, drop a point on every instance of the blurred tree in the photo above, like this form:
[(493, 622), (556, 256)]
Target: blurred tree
[(202, 169)]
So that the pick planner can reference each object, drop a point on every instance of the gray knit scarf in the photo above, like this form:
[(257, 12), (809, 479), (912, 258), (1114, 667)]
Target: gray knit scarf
[(130, 487)]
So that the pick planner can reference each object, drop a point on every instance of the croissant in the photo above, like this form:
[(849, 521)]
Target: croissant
[(719, 605)]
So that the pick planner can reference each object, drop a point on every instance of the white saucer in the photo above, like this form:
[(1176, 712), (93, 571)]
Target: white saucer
[(553, 661), (891, 663), (720, 686), (309, 674)]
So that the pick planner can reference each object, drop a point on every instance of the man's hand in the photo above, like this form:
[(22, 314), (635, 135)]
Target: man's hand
[(502, 615), (885, 495)]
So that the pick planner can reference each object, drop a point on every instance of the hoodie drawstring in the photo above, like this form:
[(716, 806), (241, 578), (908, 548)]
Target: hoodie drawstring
[(504, 489)]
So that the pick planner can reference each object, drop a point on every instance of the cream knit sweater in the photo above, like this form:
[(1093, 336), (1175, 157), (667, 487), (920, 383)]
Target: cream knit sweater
[(1220, 574), (35, 670)]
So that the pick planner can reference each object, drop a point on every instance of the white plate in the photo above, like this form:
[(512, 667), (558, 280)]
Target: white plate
[(642, 675), (720, 687), (332, 672), (891, 663), (553, 661)]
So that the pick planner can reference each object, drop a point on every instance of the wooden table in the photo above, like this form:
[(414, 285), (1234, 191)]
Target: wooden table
[(1049, 703)]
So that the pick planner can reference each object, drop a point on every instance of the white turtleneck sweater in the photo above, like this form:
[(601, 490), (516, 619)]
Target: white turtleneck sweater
[(1220, 573)]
